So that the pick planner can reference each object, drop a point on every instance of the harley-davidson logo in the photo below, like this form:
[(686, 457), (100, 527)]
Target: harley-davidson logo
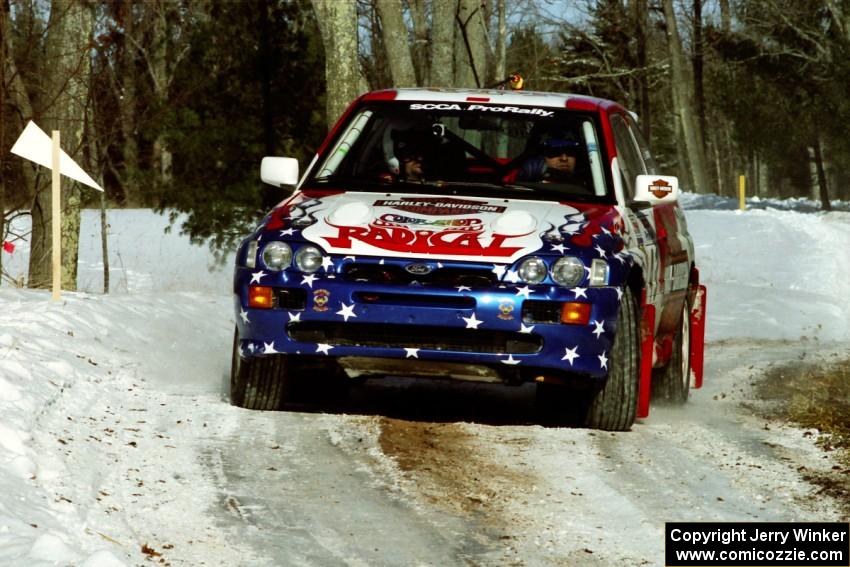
[(660, 188), (440, 206), (418, 269), (320, 299)]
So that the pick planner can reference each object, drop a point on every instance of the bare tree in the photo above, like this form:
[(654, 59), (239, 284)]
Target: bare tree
[(683, 102), (396, 42), (338, 26), (442, 42), (67, 51)]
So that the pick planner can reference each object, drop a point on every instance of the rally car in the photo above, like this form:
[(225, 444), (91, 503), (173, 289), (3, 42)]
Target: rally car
[(485, 235)]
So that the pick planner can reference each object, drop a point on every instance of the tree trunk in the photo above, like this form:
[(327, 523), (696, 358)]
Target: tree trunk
[(160, 75), (682, 101), (501, 43), (823, 188), (420, 42), (471, 46), (641, 22), (396, 42), (443, 42), (67, 49), (127, 106), (725, 17), (338, 26), (699, 93)]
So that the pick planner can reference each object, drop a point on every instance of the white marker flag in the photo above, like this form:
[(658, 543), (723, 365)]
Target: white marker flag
[(34, 145)]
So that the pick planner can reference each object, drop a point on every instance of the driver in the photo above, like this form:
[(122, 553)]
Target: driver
[(411, 153), (558, 164)]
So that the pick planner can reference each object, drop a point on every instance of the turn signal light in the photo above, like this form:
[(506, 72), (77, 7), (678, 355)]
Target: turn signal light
[(260, 297), (575, 313)]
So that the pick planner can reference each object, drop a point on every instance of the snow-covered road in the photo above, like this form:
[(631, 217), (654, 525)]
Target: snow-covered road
[(118, 445)]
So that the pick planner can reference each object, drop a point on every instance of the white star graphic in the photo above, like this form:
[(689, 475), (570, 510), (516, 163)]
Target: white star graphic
[(559, 248), (461, 288), (324, 348), (570, 354), (600, 250), (580, 292), (603, 361), (598, 330), (251, 347), (381, 262), (499, 270), (524, 329), (327, 263), (257, 276), (268, 348), (346, 311), (472, 322), (287, 232), (511, 360), (439, 265), (411, 353), (244, 315), (619, 291), (294, 317), (621, 257), (512, 276), (524, 291), (309, 279)]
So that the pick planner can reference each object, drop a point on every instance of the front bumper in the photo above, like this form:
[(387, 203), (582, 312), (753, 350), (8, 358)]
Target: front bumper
[(479, 326)]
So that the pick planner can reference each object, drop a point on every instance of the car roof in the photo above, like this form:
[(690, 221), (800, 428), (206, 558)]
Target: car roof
[(493, 96)]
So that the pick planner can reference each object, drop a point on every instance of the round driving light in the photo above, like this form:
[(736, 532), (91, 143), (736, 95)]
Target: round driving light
[(532, 270), (277, 256), (568, 271), (308, 259)]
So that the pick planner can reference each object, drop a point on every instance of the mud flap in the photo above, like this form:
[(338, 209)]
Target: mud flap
[(698, 335), (647, 348)]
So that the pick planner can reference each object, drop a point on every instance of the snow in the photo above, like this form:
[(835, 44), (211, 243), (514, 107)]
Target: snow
[(117, 441)]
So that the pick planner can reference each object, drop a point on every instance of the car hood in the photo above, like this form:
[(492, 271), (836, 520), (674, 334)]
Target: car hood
[(440, 227)]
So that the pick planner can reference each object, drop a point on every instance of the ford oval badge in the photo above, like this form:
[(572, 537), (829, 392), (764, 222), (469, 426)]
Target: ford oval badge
[(418, 269)]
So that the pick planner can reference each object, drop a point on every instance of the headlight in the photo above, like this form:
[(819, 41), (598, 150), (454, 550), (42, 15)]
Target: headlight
[(277, 256), (568, 271), (308, 259), (251, 255), (532, 270)]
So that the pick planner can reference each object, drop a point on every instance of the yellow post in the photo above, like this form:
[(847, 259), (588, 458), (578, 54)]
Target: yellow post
[(57, 225), (742, 192)]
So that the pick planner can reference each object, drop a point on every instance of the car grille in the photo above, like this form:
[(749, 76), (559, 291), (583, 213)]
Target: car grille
[(410, 336), (441, 277), (541, 311)]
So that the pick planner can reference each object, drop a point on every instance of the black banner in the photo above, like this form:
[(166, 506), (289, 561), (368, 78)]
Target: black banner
[(757, 544)]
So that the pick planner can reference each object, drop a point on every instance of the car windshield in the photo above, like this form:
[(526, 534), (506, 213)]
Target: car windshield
[(474, 148)]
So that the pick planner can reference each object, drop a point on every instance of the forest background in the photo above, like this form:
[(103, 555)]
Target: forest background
[(171, 104)]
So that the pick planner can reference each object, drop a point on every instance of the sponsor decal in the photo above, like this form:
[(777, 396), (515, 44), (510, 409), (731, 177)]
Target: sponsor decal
[(440, 207), (320, 300), (392, 219), (404, 240), (506, 309), (481, 108), (660, 188)]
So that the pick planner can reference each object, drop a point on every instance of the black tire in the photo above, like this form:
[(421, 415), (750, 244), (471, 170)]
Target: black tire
[(615, 405), (260, 383), (672, 384)]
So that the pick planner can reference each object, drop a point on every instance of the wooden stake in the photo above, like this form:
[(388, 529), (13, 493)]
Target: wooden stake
[(741, 192), (57, 225)]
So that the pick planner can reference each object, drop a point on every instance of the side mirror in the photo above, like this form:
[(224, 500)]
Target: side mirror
[(657, 189), (280, 172)]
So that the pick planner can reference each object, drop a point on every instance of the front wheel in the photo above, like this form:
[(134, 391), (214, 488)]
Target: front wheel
[(259, 383), (615, 405)]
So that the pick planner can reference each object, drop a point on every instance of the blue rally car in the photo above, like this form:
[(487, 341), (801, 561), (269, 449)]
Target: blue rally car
[(493, 236)]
